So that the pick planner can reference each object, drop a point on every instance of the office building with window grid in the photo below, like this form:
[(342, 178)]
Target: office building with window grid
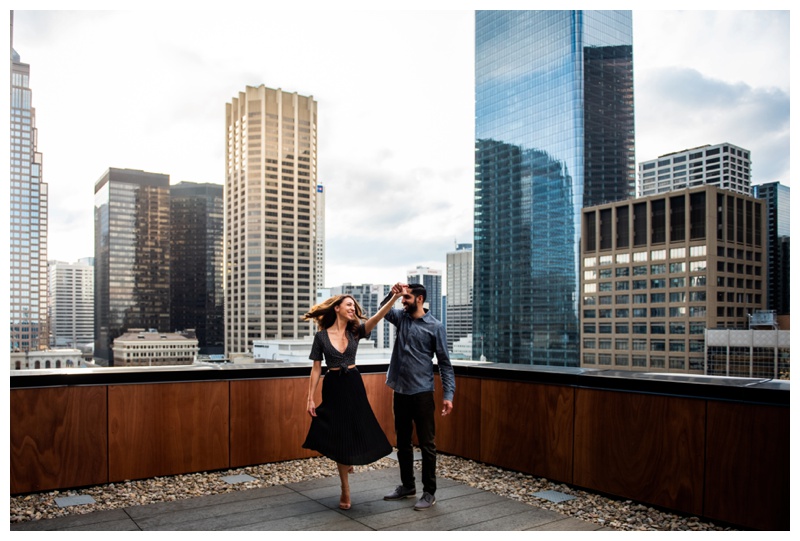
[(270, 216), (724, 165), (658, 271), (28, 201)]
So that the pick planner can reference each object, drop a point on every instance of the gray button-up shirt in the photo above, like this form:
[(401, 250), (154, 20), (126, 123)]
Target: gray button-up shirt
[(411, 366)]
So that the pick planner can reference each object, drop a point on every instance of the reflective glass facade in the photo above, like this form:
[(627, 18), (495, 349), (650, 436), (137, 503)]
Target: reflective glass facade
[(555, 131), (28, 220), (197, 289), (776, 197), (132, 255)]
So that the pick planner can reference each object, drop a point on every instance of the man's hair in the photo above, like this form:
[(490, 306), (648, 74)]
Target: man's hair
[(417, 290)]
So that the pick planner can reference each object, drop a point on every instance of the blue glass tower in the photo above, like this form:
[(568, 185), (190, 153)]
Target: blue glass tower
[(554, 126)]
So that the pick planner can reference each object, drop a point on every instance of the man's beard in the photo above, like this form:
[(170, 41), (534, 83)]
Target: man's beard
[(410, 308)]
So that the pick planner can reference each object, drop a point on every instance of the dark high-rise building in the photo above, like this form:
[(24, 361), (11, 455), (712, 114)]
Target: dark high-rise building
[(196, 267), (555, 131), (776, 197), (132, 255), (28, 218)]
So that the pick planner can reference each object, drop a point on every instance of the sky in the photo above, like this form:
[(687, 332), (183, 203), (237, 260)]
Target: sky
[(146, 89)]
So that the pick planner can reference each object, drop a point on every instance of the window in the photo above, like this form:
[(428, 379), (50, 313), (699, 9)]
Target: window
[(677, 345), (658, 297), (677, 296), (658, 283), (623, 286), (677, 267), (677, 282), (640, 271), (622, 271), (622, 299), (640, 284), (658, 269), (677, 328)]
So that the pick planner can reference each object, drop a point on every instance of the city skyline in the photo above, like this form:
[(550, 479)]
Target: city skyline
[(378, 159)]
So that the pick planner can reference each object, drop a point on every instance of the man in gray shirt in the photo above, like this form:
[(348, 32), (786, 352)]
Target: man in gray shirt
[(419, 337)]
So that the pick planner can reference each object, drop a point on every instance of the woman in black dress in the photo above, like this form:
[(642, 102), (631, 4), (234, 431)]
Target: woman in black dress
[(343, 426)]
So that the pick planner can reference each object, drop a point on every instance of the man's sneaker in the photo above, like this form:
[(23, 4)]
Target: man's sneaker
[(401, 492), (425, 502)]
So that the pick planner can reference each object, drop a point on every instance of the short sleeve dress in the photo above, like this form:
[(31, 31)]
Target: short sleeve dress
[(345, 428)]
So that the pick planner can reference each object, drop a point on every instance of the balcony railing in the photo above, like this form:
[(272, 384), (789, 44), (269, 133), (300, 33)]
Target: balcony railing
[(717, 448)]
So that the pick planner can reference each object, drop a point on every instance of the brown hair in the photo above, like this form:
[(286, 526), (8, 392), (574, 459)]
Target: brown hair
[(325, 315)]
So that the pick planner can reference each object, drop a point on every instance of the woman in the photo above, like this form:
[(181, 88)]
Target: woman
[(343, 426)]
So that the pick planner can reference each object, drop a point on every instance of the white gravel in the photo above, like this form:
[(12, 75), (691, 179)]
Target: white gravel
[(613, 514)]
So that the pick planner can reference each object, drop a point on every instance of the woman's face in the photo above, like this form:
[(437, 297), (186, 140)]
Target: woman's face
[(347, 309)]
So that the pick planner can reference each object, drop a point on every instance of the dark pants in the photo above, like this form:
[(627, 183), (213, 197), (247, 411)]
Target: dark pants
[(416, 410)]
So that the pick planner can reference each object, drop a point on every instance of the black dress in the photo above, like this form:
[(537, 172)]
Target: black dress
[(345, 428)]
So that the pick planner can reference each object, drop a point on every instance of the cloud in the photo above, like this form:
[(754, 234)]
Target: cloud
[(679, 108)]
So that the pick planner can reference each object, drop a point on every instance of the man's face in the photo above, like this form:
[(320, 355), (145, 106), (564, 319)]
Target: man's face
[(409, 301)]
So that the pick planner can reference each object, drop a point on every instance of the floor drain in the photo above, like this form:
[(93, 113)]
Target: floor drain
[(554, 496), (233, 479), (74, 500)]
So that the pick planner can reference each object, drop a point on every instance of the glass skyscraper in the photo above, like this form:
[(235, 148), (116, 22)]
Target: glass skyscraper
[(554, 133), (131, 255), (197, 261), (778, 210)]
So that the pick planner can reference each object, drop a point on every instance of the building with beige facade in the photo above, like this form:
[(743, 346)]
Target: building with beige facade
[(270, 216), (139, 347), (656, 272)]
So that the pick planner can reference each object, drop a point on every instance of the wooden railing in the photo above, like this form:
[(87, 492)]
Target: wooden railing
[(711, 447)]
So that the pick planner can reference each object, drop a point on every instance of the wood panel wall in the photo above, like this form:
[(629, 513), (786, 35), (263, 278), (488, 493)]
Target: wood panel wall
[(527, 427), (269, 420), (58, 438), (640, 446), (459, 433), (747, 465), (722, 460), (167, 429)]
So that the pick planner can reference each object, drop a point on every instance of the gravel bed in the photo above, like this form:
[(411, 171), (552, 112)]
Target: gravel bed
[(610, 513)]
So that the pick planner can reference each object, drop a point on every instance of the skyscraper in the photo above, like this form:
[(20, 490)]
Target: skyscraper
[(432, 280), (555, 131), (197, 288), (28, 218), (459, 293), (71, 304), (270, 216), (131, 254), (777, 199)]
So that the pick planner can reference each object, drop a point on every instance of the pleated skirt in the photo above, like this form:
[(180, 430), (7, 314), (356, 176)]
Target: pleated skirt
[(345, 428)]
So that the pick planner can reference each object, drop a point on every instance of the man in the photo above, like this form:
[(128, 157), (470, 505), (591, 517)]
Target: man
[(419, 337)]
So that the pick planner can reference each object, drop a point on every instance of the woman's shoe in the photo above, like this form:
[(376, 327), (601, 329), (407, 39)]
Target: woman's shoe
[(344, 501)]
